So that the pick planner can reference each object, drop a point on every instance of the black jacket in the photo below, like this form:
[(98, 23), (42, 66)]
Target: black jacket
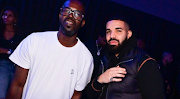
[(136, 83)]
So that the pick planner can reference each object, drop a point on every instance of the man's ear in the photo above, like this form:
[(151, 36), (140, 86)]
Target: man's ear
[(129, 34), (83, 23), (59, 15)]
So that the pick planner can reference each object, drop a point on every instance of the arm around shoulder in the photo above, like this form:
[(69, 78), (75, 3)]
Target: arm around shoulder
[(16, 87)]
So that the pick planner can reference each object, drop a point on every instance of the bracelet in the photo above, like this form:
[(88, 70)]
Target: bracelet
[(9, 51)]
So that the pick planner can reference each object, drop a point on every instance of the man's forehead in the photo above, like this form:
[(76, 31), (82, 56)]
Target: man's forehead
[(74, 5), (115, 24), (8, 11)]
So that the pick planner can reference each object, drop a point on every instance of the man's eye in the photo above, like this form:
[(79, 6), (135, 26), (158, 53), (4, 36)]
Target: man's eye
[(119, 30), (77, 14), (65, 11), (107, 31)]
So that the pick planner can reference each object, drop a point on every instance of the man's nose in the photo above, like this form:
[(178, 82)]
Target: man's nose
[(71, 14), (112, 34)]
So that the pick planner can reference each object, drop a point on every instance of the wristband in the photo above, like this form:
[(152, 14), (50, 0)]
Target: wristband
[(9, 51)]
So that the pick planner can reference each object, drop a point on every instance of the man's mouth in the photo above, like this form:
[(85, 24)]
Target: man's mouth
[(69, 23), (113, 42)]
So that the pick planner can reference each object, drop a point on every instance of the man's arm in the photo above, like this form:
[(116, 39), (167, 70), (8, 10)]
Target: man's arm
[(94, 88), (3, 50), (16, 87), (76, 95), (150, 81)]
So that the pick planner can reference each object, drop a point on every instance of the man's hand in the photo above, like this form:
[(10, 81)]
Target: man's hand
[(114, 74)]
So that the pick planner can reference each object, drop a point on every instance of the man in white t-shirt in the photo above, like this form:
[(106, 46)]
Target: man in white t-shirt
[(54, 64)]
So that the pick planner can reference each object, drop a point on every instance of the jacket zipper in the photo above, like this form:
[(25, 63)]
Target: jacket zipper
[(102, 72), (124, 62), (116, 66)]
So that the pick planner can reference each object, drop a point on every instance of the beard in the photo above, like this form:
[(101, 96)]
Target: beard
[(69, 32), (116, 48)]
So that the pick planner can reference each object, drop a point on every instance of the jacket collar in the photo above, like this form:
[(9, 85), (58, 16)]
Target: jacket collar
[(131, 43)]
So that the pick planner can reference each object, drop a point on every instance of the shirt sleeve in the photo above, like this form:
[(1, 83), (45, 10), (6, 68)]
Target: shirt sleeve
[(85, 78), (21, 55), (150, 81)]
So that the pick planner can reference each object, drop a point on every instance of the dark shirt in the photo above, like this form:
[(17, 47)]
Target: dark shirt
[(93, 48), (167, 72), (9, 44), (169, 75)]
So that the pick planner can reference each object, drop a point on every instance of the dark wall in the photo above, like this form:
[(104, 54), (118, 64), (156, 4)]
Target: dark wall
[(42, 15)]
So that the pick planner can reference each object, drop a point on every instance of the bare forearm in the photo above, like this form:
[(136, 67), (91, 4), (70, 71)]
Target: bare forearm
[(76, 95), (3, 50), (14, 92), (16, 88)]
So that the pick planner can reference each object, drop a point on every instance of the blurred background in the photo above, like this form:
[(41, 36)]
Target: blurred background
[(156, 22)]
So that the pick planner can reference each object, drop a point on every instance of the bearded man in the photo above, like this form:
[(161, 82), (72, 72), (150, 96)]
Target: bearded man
[(127, 72)]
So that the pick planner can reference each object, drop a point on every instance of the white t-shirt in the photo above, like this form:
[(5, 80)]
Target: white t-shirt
[(55, 71)]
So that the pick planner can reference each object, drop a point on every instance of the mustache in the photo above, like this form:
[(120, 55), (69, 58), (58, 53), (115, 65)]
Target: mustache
[(113, 39), (69, 18)]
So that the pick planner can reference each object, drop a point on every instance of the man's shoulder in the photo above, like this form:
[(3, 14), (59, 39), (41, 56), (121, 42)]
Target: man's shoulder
[(40, 35), (146, 59), (83, 49), (143, 55), (44, 33), (141, 51)]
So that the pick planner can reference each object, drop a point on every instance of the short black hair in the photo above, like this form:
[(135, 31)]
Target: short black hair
[(121, 18)]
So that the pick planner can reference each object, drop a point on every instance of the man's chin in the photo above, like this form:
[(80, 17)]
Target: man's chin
[(117, 48), (69, 28), (112, 48), (69, 33), (113, 45)]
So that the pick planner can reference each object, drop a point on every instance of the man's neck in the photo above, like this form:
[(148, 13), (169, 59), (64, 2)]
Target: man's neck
[(164, 62), (66, 40)]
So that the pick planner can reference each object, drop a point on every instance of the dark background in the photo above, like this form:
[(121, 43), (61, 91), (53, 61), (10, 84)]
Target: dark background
[(166, 9), (42, 15)]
